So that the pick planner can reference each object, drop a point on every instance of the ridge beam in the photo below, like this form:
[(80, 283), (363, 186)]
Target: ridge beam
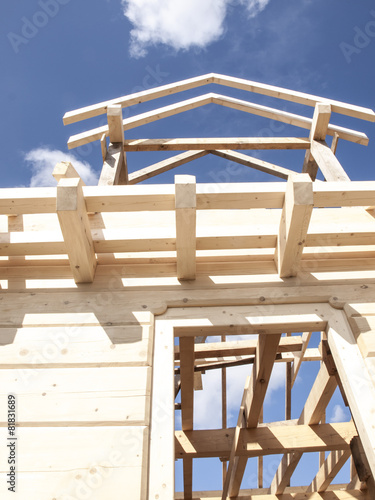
[(318, 132), (75, 227), (115, 169), (294, 224), (186, 226)]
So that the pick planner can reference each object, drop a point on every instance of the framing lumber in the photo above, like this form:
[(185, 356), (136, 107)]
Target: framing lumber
[(186, 226), (248, 161), (266, 439), (217, 143), (75, 227), (334, 494), (317, 401), (65, 170), (165, 165), (114, 170), (299, 356), (294, 224), (253, 398), (327, 162), (187, 382), (318, 132), (329, 469), (239, 83)]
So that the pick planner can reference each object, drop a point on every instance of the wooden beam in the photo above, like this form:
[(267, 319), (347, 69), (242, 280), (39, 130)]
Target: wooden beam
[(329, 469), (294, 224), (356, 380), (165, 166), (266, 439), (298, 357), (239, 83), (361, 465), (75, 227), (327, 162), (317, 401), (321, 127), (114, 170), (318, 132), (240, 347), (249, 161), (161, 460), (65, 170), (253, 399), (217, 143), (186, 223)]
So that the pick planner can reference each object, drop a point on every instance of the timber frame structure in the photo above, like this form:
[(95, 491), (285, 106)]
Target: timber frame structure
[(109, 293)]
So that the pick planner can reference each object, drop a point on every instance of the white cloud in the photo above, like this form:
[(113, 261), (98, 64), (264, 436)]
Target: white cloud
[(43, 160), (339, 414), (180, 24)]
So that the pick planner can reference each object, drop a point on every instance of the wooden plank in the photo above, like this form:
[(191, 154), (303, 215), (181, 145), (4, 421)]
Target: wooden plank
[(329, 469), (317, 401), (187, 382), (79, 396), (356, 381), (86, 462), (165, 166), (318, 132), (293, 119), (186, 223), (217, 143), (249, 161), (266, 439), (103, 146), (260, 88), (327, 162), (75, 346), (240, 347), (138, 120), (75, 227), (294, 224), (253, 399), (161, 468), (299, 356)]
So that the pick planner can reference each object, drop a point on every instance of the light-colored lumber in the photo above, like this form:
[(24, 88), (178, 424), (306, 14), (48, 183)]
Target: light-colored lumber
[(217, 143), (65, 169), (114, 170), (293, 119), (240, 83), (294, 224), (165, 166), (114, 118), (75, 227), (186, 223), (327, 162), (318, 399), (240, 347), (266, 439), (356, 381), (161, 469), (78, 467), (79, 396), (329, 469), (334, 143), (299, 356), (254, 395), (248, 161), (318, 132), (103, 146), (187, 382)]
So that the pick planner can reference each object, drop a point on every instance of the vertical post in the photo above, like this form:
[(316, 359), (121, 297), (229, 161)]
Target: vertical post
[(185, 190)]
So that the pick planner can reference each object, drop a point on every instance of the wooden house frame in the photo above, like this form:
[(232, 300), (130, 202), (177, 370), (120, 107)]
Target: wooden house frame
[(109, 293)]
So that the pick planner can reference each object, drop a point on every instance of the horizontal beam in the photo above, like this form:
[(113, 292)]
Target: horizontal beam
[(266, 439), (42, 200), (217, 143)]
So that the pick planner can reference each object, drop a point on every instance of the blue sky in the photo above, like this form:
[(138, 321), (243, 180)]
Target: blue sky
[(59, 55)]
